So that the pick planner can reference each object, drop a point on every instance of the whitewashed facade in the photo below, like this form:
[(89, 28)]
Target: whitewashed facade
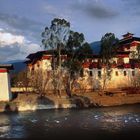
[(5, 86)]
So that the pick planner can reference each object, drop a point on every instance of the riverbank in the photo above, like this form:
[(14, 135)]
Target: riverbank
[(31, 101)]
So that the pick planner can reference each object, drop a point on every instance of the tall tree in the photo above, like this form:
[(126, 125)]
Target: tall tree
[(59, 36), (56, 37), (109, 45), (77, 50), (138, 53), (21, 80)]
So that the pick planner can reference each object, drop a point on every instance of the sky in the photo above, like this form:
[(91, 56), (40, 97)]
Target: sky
[(23, 21)]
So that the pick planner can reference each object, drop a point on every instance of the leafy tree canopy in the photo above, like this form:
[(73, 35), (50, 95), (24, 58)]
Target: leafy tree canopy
[(59, 34), (109, 45), (56, 34), (77, 50)]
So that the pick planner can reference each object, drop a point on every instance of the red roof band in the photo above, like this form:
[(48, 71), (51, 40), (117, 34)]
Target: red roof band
[(3, 70)]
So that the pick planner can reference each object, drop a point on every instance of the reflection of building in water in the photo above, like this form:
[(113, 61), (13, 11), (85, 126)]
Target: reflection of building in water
[(124, 65), (5, 87), (112, 122)]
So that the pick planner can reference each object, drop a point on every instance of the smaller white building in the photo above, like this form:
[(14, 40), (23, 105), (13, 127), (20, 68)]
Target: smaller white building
[(5, 87)]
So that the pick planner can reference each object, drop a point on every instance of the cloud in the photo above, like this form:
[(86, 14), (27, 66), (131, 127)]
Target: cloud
[(100, 11), (58, 12), (134, 2), (9, 39), (18, 22), (51, 10), (28, 48), (132, 6), (8, 52), (21, 25), (96, 9), (15, 46)]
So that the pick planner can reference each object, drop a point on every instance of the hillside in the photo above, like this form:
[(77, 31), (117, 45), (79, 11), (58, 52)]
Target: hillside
[(19, 65), (95, 47)]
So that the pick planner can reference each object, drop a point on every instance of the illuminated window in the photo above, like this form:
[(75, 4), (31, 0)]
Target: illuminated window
[(124, 73)]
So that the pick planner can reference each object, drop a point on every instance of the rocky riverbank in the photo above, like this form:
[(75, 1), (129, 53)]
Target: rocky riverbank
[(25, 102)]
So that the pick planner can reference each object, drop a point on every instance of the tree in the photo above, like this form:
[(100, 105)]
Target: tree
[(135, 81), (109, 45), (60, 38), (40, 80), (138, 53), (56, 37), (21, 80), (77, 50)]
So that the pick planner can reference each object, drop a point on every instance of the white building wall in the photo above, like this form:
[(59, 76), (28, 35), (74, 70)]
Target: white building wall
[(115, 81), (5, 93), (120, 80), (126, 60), (46, 64)]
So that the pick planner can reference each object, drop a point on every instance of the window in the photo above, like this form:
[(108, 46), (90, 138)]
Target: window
[(117, 74), (81, 73), (133, 73), (90, 73), (120, 61), (124, 73), (108, 73), (38, 65), (32, 70), (99, 74)]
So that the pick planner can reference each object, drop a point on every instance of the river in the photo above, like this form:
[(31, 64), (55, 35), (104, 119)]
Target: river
[(99, 123)]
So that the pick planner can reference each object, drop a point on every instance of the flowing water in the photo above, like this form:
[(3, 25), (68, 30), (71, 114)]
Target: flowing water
[(110, 122)]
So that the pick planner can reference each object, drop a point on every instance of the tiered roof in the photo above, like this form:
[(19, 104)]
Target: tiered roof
[(7, 66), (127, 41)]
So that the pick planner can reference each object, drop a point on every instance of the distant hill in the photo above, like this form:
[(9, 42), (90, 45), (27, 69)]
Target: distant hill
[(19, 65), (95, 46)]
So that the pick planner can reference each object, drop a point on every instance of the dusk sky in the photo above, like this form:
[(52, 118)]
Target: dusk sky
[(22, 21)]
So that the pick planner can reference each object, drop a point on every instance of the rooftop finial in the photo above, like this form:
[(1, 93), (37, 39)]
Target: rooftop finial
[(128, 35)]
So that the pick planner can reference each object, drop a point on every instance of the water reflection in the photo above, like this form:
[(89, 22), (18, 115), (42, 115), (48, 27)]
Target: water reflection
[(10, 126), (45, 122), (117, 120), (4, 125), (111, 123)]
